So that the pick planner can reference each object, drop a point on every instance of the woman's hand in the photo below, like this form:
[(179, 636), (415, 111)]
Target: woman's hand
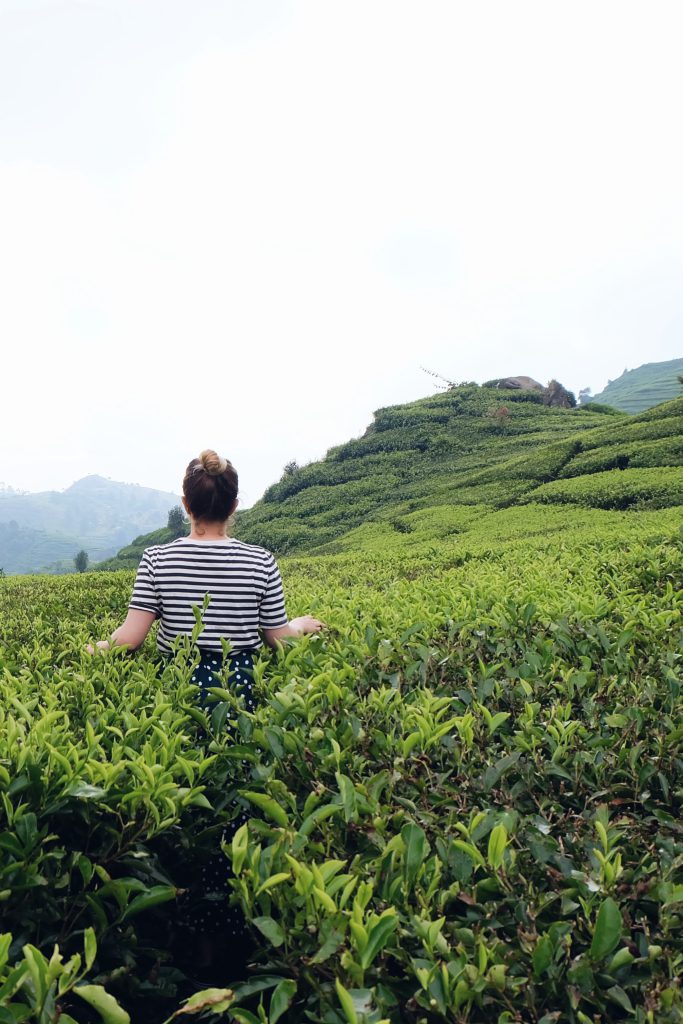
[(297, 627), (101, 645), (130, 635), (306, 624)]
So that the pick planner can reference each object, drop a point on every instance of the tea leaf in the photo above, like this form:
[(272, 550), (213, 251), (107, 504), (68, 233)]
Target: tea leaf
[(271, 929), (378, 936), (281, 999), (416, 849), (346, 1002), (268, 806), (152, 898), (498, 840), (607, 932), (105, 1004)]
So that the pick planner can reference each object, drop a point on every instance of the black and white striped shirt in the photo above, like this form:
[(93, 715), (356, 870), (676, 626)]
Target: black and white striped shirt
[(242, 581)]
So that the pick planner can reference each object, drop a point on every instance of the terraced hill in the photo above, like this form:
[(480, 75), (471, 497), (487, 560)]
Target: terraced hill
[(466, 452), (446, 464), (642, 388)]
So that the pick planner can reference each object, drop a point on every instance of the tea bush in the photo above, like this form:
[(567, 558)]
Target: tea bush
[(666, 451), (619, 489), (464, 798)]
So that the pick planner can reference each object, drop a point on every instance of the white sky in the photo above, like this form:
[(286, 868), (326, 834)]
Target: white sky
[(246, 225)]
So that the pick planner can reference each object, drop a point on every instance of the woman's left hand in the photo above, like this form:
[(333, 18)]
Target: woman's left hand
[(307, 624), (101, 645)]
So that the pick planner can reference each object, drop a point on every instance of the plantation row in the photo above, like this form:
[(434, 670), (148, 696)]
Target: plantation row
[(464, 798)]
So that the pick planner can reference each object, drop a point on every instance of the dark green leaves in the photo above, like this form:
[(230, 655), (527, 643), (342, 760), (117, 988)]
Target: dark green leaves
[(608, 928), (271, 929), (416, 849)]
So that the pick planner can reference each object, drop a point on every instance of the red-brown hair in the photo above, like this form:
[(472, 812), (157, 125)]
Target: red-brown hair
[(210, 487)]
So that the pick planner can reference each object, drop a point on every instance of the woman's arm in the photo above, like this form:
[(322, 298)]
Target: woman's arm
[(297, 627), (131, 634)]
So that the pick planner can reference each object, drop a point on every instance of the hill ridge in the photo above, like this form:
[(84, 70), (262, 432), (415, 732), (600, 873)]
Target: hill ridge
[(644, 387), (43, 530)]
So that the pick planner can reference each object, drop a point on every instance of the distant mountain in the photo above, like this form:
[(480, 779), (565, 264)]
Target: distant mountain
[(641, 389), (42, 532)]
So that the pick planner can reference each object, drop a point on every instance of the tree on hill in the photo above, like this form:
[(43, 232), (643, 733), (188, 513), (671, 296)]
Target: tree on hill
[(81, 561), (176, 521)]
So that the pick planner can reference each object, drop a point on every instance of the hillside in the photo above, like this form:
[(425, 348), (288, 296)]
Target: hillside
[(641, 389), (465, 449), (441, 465), (45, 530)]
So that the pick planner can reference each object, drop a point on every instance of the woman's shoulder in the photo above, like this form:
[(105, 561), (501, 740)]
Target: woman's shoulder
[(152, 551), (183, 546), (149, 556), (254, 551)]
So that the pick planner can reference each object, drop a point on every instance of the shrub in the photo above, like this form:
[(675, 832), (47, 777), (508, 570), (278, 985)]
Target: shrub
[(619, 489)]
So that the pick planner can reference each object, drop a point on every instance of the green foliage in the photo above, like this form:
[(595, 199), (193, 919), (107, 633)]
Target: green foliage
[(464, 797), (469, 445), (667, 451), (39, 989), (456, 448), (620, 489)]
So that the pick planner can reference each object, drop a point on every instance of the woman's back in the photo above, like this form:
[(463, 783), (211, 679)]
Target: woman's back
[(242, 581)]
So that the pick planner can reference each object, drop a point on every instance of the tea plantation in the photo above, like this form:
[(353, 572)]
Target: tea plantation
[(463, 798)]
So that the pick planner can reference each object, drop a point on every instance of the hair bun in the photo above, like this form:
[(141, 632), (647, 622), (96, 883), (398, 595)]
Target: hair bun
[(213, 463)]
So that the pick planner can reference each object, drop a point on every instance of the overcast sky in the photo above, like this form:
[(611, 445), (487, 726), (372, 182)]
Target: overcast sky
[(247, 224)]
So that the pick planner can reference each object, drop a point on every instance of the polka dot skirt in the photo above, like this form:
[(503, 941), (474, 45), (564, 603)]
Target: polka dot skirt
[(210, 911)]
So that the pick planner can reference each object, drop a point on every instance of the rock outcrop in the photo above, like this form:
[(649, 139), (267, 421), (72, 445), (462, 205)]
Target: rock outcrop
[(515, 383), (554, 394)]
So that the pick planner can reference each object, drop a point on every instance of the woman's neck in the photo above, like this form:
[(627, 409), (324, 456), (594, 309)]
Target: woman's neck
[(207, 531)]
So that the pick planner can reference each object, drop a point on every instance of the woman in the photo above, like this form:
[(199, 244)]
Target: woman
[(242, 580), (245, 599)]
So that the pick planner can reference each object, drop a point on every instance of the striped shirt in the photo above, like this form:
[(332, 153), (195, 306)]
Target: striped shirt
[(242, 580)]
